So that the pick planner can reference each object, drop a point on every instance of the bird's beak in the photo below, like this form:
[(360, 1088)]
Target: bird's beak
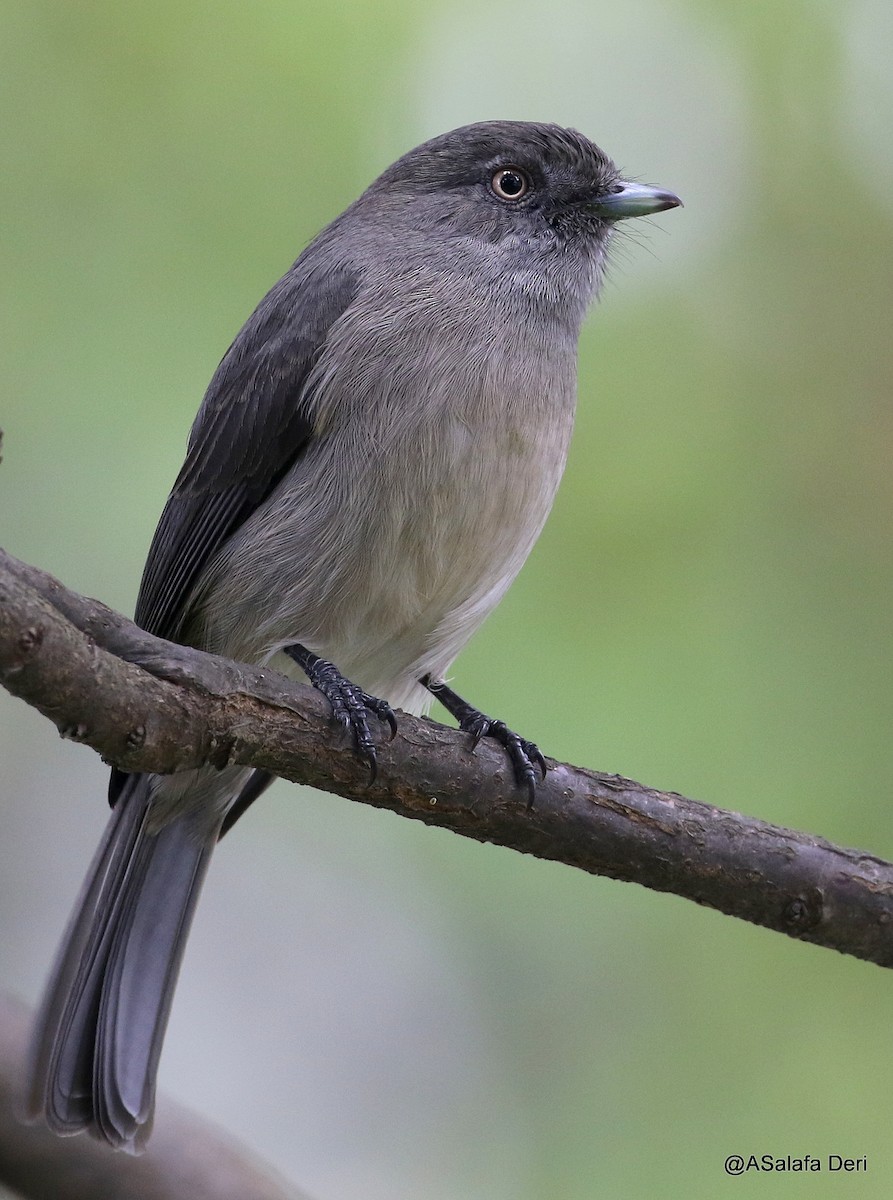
[(634, 200)]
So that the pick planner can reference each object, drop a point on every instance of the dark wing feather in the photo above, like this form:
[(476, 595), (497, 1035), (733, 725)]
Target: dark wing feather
[(252, 427)]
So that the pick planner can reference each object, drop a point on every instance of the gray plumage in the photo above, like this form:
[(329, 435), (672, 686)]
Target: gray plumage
[(372, 463)]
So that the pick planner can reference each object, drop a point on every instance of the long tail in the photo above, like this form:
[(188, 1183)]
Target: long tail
[(99, 1032)]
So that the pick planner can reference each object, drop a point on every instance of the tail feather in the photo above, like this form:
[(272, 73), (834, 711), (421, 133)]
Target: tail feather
[(99, 1033)]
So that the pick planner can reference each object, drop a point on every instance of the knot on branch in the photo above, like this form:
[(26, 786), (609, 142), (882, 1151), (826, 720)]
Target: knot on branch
[(803, 912)]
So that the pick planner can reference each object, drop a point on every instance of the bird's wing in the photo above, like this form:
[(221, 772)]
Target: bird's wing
[(253, 425)]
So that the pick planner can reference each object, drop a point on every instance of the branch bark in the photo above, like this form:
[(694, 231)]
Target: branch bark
[(149, 705)]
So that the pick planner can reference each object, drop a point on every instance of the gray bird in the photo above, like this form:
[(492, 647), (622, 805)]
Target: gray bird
[(372, 463)]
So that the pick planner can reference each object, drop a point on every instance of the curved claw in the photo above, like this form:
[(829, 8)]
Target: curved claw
[(350, 704), (479, 729), (530, 782), (524, 756), (533, 752), (382, 710), (370, 758)]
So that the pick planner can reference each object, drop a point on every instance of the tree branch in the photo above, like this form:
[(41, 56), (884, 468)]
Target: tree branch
[(149, 705)]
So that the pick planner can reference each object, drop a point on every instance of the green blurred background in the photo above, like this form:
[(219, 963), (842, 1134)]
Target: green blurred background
[(387, 1010)]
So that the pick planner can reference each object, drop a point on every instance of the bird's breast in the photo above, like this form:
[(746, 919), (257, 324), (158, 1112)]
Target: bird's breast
[(439, 441), (465, 448)]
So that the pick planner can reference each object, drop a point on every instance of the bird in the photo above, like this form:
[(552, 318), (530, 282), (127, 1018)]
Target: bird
[(372, 462)]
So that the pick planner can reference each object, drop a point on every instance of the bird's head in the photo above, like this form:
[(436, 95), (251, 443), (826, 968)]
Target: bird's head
[(504, 178)]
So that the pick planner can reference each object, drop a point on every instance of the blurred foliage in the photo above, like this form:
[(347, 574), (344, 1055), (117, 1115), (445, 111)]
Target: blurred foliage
[(386, 1010)]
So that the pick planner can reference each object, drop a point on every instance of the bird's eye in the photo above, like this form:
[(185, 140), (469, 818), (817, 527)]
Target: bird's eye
[(510, 183)]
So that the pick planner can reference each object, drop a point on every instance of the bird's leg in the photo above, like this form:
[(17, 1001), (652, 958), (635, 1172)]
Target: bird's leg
[(523, 755), (350, 704)]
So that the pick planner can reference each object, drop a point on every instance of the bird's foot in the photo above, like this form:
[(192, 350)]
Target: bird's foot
[(350, 704), (524, 756)]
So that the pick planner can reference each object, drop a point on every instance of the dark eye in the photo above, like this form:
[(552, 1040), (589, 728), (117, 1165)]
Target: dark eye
[(510, 183)]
